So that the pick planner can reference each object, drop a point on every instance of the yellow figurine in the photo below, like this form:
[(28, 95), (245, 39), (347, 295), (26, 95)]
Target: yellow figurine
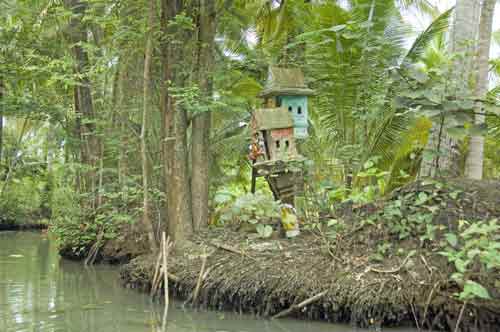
[(289, 220)]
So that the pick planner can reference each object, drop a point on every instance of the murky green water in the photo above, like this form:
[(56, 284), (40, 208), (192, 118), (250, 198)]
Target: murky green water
[(40, 292)]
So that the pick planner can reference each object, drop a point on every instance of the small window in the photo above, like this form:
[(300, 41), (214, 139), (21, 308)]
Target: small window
[(278, 144), (287, 144), (290, 108), (299, 110), (278, 101)]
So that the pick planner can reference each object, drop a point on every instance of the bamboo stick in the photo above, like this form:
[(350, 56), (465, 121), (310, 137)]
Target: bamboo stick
[(156, 274), (200, 277), (166, 246), (165, 267)]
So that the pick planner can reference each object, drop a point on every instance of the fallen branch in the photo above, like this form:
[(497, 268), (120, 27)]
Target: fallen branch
[(300, 305), (231, 249), (397, 269)]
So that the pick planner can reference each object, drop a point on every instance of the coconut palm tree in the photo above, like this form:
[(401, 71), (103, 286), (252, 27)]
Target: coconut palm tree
[(444, 148), (474, 162)]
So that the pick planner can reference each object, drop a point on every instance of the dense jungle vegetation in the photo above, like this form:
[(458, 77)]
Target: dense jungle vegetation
[(122, 119)]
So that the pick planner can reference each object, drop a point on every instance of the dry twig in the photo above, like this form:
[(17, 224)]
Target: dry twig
[(397, 269), (300, 305), (200, 277), (429, 299), (231, 249), (457, 326)]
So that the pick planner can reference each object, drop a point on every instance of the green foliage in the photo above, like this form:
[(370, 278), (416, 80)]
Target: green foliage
[(413, 213), (249, 208), (357, 62), (77, 225), (20, 202), (69, 222), (476, 248)]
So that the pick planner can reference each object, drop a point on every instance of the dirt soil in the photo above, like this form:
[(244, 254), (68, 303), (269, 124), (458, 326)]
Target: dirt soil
[(349, 274)]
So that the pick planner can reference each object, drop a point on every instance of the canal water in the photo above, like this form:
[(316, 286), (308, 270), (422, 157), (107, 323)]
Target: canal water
[(41, 292)]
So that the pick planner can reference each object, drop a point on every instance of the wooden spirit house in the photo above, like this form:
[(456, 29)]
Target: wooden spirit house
[(286, 88), (275, 129)]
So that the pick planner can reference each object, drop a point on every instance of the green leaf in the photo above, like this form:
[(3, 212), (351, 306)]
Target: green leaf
[(332, 222), (422, 198), (472, 289), (458, 132), (473, 253), (265, 231), (338, 28), (452, 239), (461, 265), (368, 164)]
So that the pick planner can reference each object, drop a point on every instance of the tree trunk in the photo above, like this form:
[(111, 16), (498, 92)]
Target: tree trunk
[(202, 122), (174, 132), (1, 124), (180, 218), (474, 162), (146, 213), (90, 149), (462, 42), (123, 133), (168, 11)]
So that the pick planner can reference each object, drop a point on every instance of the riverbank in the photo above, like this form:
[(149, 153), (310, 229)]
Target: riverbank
[(346, 272)]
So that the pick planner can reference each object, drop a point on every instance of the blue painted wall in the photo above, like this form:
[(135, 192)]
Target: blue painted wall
[(297, 105)]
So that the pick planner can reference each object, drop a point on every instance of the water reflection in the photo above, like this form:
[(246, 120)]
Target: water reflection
[(40, 292)]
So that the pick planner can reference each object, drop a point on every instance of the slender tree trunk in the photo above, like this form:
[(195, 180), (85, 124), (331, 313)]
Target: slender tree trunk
[(83, 102), (474, 162), (122, 123), (146, 213), (168, 11), (1, 124), (202, 122)]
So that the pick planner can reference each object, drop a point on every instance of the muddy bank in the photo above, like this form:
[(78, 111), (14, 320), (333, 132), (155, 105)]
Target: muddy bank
[(20, 227), (348, 276), (269, 277), (116, 251)]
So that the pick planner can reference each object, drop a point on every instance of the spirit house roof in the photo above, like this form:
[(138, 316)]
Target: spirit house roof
[(286, 82), (272, 118)]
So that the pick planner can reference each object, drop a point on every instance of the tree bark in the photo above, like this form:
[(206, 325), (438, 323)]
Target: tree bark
[(174, 133), (146, 220), (474, 162), (202, 122)]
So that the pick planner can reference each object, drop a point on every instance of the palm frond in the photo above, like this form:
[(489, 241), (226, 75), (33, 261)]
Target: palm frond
[(423, 6), (437, 27)]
